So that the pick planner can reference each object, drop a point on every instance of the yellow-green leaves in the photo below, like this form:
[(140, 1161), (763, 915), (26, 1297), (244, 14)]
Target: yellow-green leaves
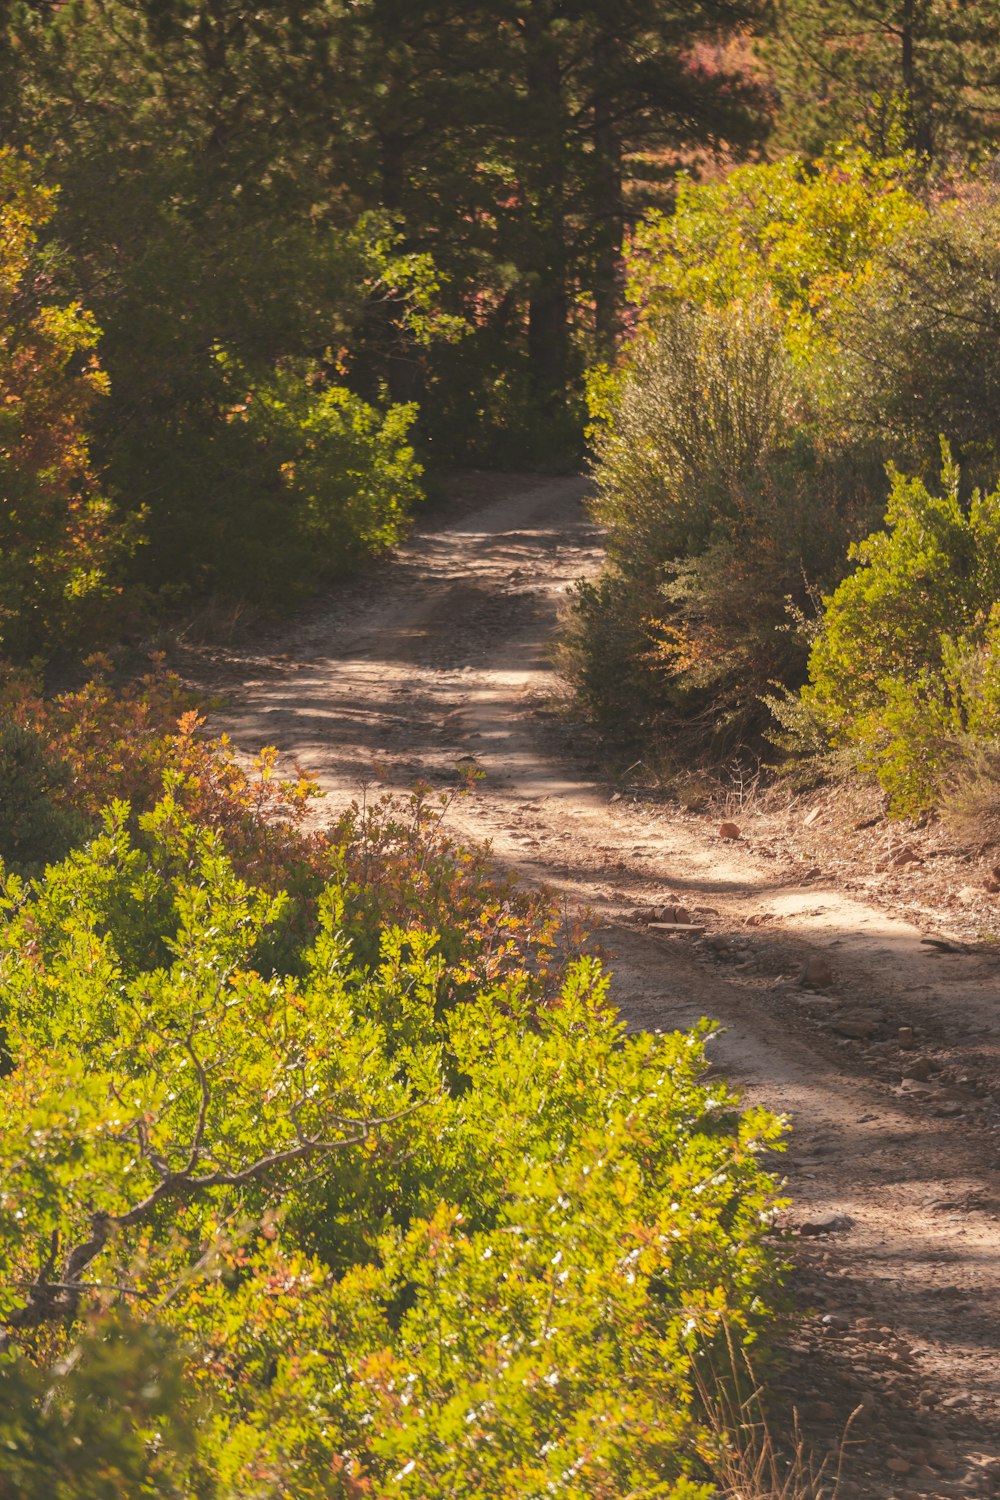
[(906, 667), (802, 233), (409, 1237)]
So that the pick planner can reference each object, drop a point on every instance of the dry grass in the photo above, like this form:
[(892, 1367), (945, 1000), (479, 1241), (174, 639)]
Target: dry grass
[(970, 806), (744, 1456)]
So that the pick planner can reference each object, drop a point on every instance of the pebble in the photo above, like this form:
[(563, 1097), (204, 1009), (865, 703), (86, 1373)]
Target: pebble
[(829, 1223), (899, 1466), (816, 973), (921, 1068), (855, 1027)]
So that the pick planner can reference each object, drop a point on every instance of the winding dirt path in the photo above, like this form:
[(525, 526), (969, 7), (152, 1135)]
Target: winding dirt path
[(445, 653)]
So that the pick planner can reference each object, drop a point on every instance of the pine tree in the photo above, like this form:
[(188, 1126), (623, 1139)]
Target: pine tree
[(219, 162), (919, 75), (603, 85)]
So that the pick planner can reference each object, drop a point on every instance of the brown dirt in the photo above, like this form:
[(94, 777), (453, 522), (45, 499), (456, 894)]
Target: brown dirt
[(889, 1073)]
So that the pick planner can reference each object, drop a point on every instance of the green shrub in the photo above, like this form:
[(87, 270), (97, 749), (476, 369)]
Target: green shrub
[(729, 477), (280, 481), (907, 665), (802, 233), (61, 544), (400, 1249), (117, 1420), (724, 510), (35, 828), (707, 396), (919, 340)]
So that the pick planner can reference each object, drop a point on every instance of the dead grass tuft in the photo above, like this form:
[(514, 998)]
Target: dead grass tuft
[(745, 1458), (970, 807)]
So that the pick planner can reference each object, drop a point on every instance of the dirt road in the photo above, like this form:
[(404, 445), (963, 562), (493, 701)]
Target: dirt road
[(888, 1072)]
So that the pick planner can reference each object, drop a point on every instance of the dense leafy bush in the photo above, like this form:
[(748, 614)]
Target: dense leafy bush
[(34, 827), (705, 400), (803, 233), (724, 506), (392, 1247), (272, 483), (59, 540), (115, 1421), (906, 667), (821, 323), (919, 339), (728, 479), (740, 449)]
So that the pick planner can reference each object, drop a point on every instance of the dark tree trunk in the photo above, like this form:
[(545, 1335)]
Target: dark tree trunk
[(609, 207), (920, 123), (548, 304)]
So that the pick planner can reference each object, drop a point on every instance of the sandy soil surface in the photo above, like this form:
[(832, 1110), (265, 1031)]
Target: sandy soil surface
[(804, 941)]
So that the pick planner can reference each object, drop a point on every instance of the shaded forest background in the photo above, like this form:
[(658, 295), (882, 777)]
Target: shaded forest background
[(302, 254), (319, 237)]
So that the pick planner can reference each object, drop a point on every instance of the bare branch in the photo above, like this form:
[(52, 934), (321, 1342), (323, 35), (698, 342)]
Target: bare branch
[(49, 1299)]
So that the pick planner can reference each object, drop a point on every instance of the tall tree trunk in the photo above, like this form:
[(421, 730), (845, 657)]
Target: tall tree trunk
[(548, 304), (921, 135), (609, 211)]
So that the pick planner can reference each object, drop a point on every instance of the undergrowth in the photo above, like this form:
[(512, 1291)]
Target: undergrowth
[(336, 1136)]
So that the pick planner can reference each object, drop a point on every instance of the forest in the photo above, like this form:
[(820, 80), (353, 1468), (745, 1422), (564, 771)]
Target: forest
[(329, 1167)]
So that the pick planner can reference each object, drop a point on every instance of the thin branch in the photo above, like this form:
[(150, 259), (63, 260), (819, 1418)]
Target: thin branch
[(48, 1299)]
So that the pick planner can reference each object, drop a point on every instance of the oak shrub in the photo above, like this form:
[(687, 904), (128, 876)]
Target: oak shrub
[(906, 669), (61, 543), (325, 1173)]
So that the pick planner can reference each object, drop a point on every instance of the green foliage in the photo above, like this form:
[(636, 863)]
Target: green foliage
[(393, 1247), (919, 339), (906, 666), (803, 233), (34, 828), (353, 185), (705, 399), (724, 507), (801, 323), (335, 482), (202, 209), (801, 326), (113, 1421), (59, 540), (392, 856), (898, 74)]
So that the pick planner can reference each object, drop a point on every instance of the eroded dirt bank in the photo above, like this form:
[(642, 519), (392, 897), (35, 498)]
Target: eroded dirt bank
[(889, 1072)]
